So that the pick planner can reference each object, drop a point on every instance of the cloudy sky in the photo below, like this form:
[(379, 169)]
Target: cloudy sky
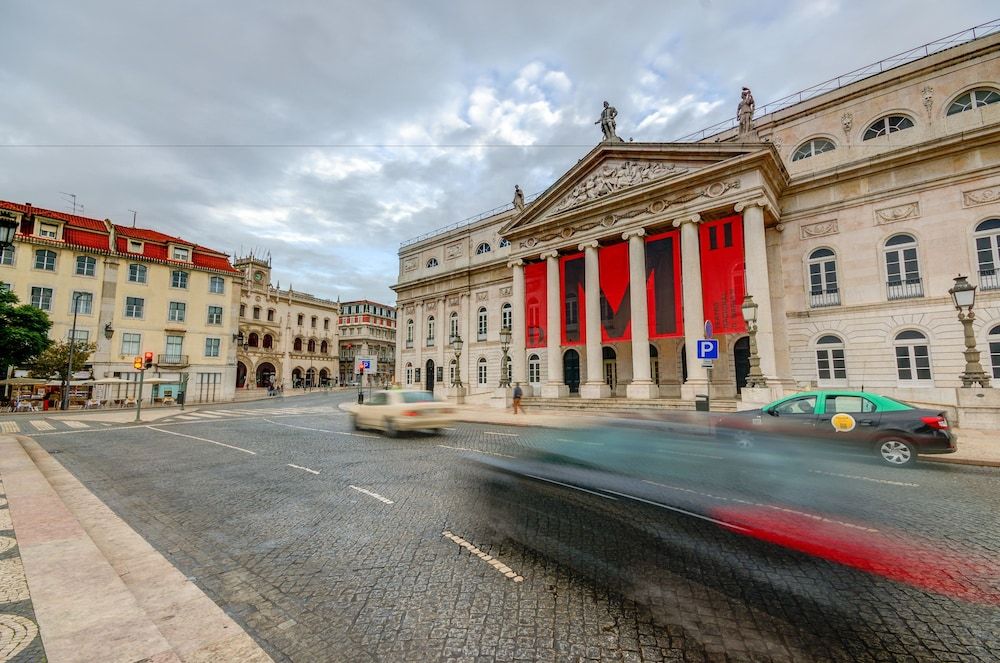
[(327, 132)]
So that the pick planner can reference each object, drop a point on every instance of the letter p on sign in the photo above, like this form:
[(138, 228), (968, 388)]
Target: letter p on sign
[(708, 348)]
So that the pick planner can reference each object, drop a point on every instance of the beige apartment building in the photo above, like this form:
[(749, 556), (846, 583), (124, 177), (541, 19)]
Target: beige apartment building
[(845, 212), (367, 329), (134, 290), (289, 338)]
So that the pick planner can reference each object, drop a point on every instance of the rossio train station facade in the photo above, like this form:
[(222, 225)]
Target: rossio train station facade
[(845, 217)]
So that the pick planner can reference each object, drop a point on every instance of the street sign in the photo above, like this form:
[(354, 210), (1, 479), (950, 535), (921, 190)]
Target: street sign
[(370, 365), (708, 348), (707, 363), (708, 329)]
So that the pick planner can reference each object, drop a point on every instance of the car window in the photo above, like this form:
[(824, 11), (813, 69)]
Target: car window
[(417, 397), (378, 399), (846, 403), (804, 405)]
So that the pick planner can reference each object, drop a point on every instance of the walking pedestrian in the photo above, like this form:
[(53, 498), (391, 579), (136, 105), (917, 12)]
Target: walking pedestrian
[(518, 393)]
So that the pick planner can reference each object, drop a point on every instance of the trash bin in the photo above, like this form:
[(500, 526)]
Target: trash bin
[(180, 398), (361, 397), (701, 402)]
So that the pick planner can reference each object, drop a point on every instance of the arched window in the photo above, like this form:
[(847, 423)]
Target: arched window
[(47, 260), (902, 268), (988, 253), (534, 369), (433, 262), (913, 361), (483, 248), (311, 346), (324, 348), (610, 360), (453, 325), (409, 333), (811, 148), (831, 365), (409, 373), (297, 345), (654, 363), (994, 341), (503, 242), (481, 371), (507, 316), (889, 124), (974, 99), (451, 371), (268, 341), (253, 340), (823, 290), (482, 326), (430, 330)]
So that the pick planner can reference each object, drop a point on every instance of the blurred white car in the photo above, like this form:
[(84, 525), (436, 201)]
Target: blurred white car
[(395, 411)]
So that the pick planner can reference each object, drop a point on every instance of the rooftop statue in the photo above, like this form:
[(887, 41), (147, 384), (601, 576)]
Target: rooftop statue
[(607, 123), (744, 112), (518, 198)]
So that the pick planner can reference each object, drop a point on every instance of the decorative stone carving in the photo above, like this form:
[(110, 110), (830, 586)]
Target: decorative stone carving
[(431, 305), (928, 95), (453, 251), (821, 229), (847, 121), (897, 213), (990, 194), (615, 177), (409, 264), (454, 300), (482, 296), (409, 309), (506, 291)]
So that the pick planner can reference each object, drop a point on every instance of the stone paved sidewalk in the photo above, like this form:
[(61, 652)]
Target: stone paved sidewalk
[(20, 641)]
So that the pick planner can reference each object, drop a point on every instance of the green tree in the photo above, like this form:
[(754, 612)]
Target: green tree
[(23, 331), (54, 359)]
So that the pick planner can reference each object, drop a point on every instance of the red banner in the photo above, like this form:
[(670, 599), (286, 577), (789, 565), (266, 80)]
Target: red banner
[(573, 314), (722, 273), (534, 305), (616, 307), (664, 303)]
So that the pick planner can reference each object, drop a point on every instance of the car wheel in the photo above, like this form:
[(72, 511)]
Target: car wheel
[(390, 428), (896, 452)]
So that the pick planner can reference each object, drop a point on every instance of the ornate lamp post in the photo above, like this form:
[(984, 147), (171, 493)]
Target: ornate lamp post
[(505, 336), (749, 308), (72, 346), (963, 294), (456, 346), (109, 331), (8, 226)]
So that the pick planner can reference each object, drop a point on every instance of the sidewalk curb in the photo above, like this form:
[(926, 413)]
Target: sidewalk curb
[(961, 461)]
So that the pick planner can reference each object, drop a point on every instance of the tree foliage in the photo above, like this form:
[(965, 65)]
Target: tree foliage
[(23, 331), (54, 359)]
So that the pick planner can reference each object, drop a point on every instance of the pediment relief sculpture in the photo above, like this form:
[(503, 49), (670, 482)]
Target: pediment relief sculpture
[(613, 177)]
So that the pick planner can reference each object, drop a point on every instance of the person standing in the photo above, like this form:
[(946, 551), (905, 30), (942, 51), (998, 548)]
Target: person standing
[(518, 393)]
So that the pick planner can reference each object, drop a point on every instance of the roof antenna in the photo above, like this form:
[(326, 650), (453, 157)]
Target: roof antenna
[(133, 217), (72, 196)]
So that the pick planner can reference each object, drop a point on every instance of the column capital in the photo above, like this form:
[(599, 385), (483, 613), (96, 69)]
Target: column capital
[(690, 218), (760, 202), (516, 262), (592, 244), (636, 232), (544, 255)]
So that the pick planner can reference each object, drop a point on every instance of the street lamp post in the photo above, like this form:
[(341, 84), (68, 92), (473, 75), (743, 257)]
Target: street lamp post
[(456, 346), (505, 335), (8, 226), (72, 346), (963, 294), (749, 308)]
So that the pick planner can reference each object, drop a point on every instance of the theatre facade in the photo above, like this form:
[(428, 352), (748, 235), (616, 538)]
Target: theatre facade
[(845, 217)]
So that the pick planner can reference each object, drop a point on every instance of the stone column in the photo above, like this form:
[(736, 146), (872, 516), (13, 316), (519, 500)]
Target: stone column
[(757, 282), (518, 350), (694, 313), (594, 385), (641, 386), (441, 343), (554, 386), (400, 377), (418, 342)]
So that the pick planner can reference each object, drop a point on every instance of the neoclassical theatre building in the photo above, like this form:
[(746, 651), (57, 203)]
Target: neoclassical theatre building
[(846, 213)]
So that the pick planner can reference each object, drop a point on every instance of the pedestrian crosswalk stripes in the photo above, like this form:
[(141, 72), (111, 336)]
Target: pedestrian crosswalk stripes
[(41, 424), (9, 427), (76, 424)]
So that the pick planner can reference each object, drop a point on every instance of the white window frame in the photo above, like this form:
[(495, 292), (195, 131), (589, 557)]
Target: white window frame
[(131, 343), (432, 263), (909, 346), (50, 230), (482, 323), (138, 273), (179, 279), (80, 310), (534, 369), (214, 315), (47, 259), (987, 247), (7, 255), (431, 328), (977, 99), (909, 283), (887, 128), (137, 309), (43, 298), (507, 316), (174, 351), (813, 147), (482, 372), (180, 254), (212, 346), (483, 248), (834, 356), (217, 285), (993, 348), (176, 311), (89, 265), (823, 282)]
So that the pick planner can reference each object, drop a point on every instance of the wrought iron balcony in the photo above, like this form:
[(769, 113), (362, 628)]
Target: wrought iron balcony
[(989, 279), (821, 298), (907, 289), (172, 360)]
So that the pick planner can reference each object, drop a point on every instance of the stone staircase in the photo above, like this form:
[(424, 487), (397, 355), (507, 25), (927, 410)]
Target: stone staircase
[(575, 403)]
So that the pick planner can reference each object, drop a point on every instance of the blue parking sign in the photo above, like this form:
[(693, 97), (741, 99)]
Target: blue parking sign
[(708, 348)]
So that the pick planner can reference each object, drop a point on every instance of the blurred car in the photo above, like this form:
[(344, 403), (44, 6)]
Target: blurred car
[(395, 411), (857, 421)]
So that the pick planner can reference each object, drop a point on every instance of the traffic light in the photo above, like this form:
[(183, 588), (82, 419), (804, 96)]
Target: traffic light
[(149, 360), (137, 363)]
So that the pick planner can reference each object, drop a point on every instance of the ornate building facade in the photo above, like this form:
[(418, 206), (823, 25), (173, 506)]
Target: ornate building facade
[(845, 213), (367, 329), (290, 338)]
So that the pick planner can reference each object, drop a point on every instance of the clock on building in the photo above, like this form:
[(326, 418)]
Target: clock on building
[(258, 276)]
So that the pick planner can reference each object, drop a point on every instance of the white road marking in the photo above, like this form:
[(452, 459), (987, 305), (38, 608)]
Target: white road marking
[(203, 415), (863, 478), (489, 432), (449, 429), (685, 453), (9, 427), (489, 559), (371, 494), (75, 424), (569, 485), (319, 430), (478, 451), (186, 417), (684, 511), (41, 424), (299, 467), (202, 439)]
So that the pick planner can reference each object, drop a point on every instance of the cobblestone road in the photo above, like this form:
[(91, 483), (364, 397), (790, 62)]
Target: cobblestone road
[(328, 544), (19, 640)]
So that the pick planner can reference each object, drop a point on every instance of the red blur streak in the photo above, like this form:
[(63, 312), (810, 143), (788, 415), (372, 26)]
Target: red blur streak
[(937, 423), (937, 571)]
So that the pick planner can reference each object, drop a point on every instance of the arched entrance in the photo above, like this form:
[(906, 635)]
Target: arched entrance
[(684, 363), (241, 375), (741, 360), (311, 377), (571, 370), (265, 374), (429, 375), (610, 359), (324, 377), (296, 377)]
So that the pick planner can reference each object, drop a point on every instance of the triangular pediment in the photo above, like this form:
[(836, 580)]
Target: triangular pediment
[(614, 171)]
